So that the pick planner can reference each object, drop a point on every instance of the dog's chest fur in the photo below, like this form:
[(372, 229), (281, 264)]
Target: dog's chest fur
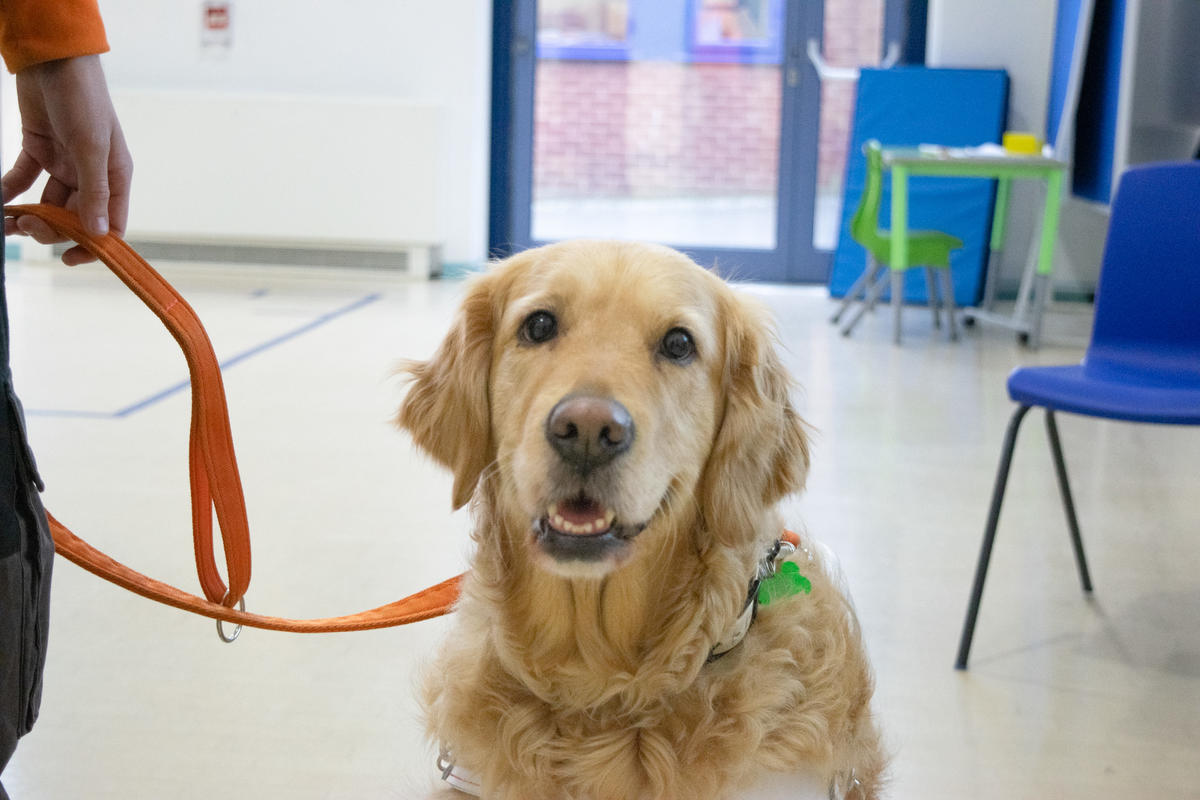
[(684, 733)]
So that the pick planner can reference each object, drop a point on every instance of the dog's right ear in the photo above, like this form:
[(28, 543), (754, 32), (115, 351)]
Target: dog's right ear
[(447, 406), (760, 453)]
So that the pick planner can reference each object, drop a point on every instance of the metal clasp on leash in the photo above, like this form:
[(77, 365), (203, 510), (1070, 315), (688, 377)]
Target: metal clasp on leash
[(221, 626)]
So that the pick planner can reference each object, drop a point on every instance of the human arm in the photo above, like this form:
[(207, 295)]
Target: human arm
[(69, 127)]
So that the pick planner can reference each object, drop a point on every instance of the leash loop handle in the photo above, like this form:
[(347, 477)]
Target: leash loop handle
[(215, 482)]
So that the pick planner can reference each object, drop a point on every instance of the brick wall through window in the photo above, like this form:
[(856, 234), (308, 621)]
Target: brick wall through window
[(679, 129)]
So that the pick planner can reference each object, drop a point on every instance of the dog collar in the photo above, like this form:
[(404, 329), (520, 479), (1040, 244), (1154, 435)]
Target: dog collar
[(772, 581)]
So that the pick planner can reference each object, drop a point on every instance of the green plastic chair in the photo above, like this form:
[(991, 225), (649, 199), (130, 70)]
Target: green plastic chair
[(928, 249)]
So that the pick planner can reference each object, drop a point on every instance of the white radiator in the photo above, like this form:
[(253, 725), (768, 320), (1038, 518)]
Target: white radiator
[(233, 173)]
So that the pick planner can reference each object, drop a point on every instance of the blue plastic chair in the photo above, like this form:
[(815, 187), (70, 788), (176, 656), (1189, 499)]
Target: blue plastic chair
[(1143, 361)]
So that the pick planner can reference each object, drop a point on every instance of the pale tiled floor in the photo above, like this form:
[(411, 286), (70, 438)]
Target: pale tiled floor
[(1066, 698)]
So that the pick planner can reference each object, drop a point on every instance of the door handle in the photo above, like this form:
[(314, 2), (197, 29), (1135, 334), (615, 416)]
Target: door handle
[(830, 73)]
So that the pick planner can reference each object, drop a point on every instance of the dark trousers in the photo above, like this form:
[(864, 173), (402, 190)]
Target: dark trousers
[(26, 558)]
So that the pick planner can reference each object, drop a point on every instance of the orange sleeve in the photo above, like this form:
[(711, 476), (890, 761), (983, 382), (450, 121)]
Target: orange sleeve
[(34, 31)]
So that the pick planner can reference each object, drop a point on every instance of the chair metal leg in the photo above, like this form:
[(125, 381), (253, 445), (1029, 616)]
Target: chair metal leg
[(1041, 296), (948, 301), (861, 285), (897, 302), (989, 536), (872, 295), (931, 293), (880, 275), (1064, 488)]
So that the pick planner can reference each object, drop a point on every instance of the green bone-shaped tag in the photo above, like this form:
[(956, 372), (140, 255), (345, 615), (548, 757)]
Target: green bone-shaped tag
[(786, 582)]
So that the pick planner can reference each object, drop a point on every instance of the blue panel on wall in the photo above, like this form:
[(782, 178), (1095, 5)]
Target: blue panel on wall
[(908, 106), (1099, 96), (1072, 16)]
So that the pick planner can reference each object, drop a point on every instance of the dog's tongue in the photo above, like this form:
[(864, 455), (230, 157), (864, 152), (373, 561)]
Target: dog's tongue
[(580, 516)]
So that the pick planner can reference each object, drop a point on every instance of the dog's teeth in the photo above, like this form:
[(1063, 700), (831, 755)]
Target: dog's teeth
[(597, 525)]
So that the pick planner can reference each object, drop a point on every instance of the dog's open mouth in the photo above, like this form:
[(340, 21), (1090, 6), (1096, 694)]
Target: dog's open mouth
[(580, 516), (582, 529)]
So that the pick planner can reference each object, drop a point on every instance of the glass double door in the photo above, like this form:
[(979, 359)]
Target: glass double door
[(717, 126)]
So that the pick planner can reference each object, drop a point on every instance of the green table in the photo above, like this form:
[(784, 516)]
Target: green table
[(1026, 318)]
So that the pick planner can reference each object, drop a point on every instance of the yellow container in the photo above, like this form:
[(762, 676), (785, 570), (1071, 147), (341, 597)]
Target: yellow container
[(1021, 144)]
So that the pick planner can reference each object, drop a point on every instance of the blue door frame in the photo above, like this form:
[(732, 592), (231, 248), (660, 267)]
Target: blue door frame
[(794, 259)]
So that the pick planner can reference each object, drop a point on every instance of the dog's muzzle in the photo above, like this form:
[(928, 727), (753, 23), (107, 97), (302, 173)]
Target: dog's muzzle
[(588, 432)]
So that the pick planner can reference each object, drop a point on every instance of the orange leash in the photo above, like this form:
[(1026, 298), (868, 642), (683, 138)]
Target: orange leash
[(215, 482)]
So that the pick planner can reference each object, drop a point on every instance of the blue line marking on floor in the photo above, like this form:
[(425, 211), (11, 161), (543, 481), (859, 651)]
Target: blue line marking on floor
[(151, 400), (157, 397), (316, 323)]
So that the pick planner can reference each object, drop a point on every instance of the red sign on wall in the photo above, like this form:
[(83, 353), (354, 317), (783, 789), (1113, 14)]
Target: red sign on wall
[(216, 31), (216, 16)]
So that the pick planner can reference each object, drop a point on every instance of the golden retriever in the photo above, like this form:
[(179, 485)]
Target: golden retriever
[(622, 423)]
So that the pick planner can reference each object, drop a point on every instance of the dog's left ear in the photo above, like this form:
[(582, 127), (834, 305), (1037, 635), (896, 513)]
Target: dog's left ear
[(760, 453), (447, 406)]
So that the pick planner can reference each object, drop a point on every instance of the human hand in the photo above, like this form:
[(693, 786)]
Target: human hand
[(69, 130)]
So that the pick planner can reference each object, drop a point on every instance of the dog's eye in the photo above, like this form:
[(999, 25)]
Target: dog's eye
[(540, 326), (678, 346)]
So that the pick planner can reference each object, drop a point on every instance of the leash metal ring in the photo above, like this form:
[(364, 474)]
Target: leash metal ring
[(221, 623)]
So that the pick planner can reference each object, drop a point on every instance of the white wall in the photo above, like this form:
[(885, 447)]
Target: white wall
[(420, 51), (1163, 87), (1018, 35)]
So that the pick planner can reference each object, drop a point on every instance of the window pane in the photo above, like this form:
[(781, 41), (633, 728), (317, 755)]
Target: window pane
[(576, 23), (853, 36), (671, 134)]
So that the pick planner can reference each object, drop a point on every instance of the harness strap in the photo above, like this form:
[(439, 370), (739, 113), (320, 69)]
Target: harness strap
[(215, 482)]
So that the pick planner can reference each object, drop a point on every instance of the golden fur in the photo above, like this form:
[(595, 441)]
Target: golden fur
[(589, 681)]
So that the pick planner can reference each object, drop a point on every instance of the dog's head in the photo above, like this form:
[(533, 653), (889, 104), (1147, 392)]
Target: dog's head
[(610, 390)]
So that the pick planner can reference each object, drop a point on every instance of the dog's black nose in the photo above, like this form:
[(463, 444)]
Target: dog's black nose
[(588, 432)]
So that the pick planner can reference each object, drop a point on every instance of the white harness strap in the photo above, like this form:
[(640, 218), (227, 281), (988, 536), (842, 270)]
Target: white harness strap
[(840, 786), (462, 779)]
